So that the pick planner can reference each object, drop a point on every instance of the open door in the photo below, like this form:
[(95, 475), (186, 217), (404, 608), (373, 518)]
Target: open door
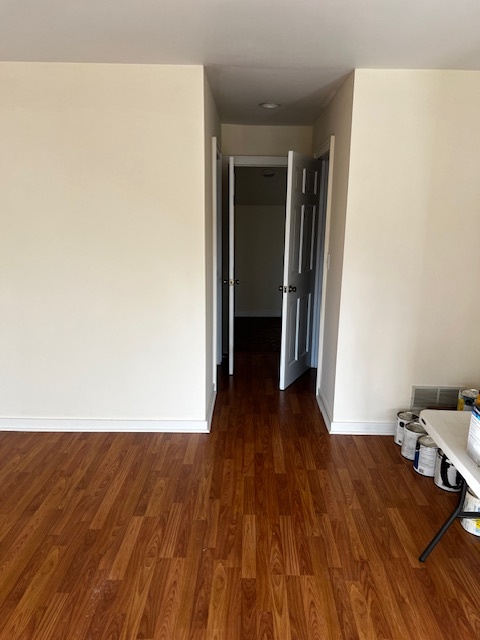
[(301, 225)]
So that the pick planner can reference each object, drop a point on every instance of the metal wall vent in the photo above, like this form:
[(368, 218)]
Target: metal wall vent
[(434, 397)]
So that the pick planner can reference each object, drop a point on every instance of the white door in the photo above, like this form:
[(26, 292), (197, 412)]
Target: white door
[(299, 266), (231, 263), (217, 190)]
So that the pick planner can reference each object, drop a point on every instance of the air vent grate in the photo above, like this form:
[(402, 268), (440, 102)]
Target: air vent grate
[(434, 398)]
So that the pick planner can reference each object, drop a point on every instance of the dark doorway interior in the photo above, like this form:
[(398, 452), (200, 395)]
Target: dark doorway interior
[(258, 335)]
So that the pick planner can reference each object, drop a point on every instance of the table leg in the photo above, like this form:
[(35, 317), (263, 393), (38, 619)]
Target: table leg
[(448, 522)]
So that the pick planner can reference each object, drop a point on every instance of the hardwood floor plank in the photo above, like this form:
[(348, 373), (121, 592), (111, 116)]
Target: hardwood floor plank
[(198, 605), (122, 558), (249, 547), (280, 608), (128, 606), (248, 609), (343, 605), (166, 622), (265, 626), (292, 560), (34, 594), (51, 616), (370, 598)]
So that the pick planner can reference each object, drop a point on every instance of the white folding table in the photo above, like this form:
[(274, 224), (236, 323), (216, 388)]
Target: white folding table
[(449, 429)]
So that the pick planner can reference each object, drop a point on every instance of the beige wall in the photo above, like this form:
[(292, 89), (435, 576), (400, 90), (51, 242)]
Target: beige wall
[(245, 140), (409, 305), (102, 250), (336, 120)]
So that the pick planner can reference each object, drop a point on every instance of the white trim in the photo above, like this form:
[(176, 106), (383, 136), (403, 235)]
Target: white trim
[(211, 407), (216, 256), (260, 161), (231, 263), (86, 425), (363, 428), (328, 145), (352, 428), (324, 410), (214, 260)]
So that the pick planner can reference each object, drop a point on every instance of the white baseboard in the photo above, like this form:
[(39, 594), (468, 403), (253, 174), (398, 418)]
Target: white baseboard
[(363, 428), (353, 428), (74, 424)]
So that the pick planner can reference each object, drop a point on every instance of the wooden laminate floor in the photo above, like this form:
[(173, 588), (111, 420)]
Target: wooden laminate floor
[(265, 528)]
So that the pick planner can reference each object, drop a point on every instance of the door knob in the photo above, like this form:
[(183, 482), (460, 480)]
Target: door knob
[(282, 289), (290, 289)]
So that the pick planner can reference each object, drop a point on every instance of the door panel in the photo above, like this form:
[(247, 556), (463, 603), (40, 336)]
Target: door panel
[(299, 266)]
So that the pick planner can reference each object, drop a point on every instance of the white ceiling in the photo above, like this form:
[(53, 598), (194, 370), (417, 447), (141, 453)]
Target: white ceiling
[(295, 52)]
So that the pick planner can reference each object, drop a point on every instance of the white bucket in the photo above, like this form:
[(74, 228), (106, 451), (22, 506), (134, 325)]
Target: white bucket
[(403, 418), (466, 399), (425, 456), (473, 441), (411, 433), (446, 475), (471, 503)]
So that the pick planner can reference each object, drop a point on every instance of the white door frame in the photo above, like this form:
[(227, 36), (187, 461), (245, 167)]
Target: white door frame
[(327, 147), (216, 256), (281, 161), (241, 161), (231, 263)]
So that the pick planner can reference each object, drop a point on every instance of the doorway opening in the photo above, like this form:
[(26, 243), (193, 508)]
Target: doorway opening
[(275, 223), (260, 198)]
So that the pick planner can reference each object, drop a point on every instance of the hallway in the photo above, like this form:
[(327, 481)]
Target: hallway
[(267, 528)]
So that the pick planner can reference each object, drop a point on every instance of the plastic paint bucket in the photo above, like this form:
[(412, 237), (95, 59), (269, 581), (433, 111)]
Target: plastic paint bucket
[(411, 433), (403, 418), (425, 456), (471, 503), (466, 399), (446, 475)]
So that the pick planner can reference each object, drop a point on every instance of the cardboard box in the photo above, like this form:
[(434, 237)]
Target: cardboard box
[(473, 442)]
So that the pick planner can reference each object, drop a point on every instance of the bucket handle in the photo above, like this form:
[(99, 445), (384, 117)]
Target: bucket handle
[(444, 474)]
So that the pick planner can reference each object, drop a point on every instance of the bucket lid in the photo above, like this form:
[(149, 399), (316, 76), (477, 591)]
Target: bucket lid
[(408, 416), (415, 426), (469, 393), (427, 441)]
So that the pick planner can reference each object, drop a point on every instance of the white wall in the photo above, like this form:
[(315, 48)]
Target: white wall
[(102, 250), (247, 140), (409, 303), (335, 120), (259, 240)]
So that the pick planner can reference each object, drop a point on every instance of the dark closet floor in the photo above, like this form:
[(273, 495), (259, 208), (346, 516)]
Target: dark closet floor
[(258, 335)]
